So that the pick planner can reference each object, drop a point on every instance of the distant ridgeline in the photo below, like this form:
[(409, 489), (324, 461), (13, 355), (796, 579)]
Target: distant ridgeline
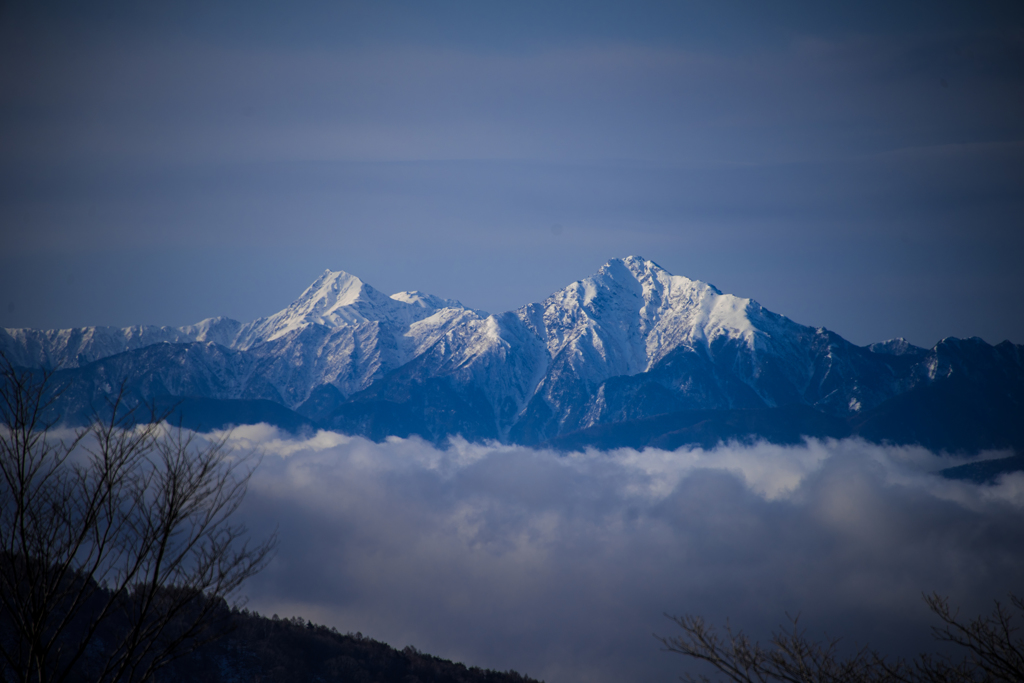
[(631, 356)]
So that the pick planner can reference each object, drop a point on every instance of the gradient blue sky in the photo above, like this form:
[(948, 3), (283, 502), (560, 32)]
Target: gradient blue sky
[(857, 167)]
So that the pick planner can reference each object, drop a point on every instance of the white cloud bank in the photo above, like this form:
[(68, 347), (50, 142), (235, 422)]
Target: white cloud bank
[(562, 567)]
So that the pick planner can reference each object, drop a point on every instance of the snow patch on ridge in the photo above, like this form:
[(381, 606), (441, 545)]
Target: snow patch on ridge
[(429, 301)]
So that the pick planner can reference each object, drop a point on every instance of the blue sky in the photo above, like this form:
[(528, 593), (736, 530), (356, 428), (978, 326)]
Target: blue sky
[(860, 168)]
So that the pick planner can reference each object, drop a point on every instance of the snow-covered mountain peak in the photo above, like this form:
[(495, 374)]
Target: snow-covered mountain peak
[(428, 301), (630, 341), (642, 286), (330, 291), (896, 347), (337, 299), (657, 286), (630, 314), (640, 268), (334, 299)]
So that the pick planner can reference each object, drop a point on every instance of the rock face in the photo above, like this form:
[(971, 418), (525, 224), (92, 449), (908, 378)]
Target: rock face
[(628, 344)]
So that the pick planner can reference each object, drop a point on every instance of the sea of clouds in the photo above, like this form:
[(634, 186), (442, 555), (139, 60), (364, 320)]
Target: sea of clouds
[(563, 566)]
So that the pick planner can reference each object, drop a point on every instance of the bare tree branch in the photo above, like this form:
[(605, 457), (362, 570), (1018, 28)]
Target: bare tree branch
[(994, 652), (117, 544)]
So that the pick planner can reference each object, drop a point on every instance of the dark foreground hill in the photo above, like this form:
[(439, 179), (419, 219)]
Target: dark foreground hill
[(293, 650), (88, 633), (272, 650)]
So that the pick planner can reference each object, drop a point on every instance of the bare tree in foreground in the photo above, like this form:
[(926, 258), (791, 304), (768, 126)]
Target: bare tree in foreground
[(117, 547), (994, 652)]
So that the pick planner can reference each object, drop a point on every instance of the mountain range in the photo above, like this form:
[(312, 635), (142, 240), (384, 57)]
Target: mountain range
[(630, 356)]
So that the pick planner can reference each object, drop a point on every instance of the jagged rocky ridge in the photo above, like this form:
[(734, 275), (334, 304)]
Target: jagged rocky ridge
[(629, 356)]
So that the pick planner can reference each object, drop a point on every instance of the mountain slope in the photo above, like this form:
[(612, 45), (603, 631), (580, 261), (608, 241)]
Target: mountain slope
[(629, 343)]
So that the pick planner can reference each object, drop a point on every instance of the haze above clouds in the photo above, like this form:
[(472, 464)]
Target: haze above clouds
[(562, 567)]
